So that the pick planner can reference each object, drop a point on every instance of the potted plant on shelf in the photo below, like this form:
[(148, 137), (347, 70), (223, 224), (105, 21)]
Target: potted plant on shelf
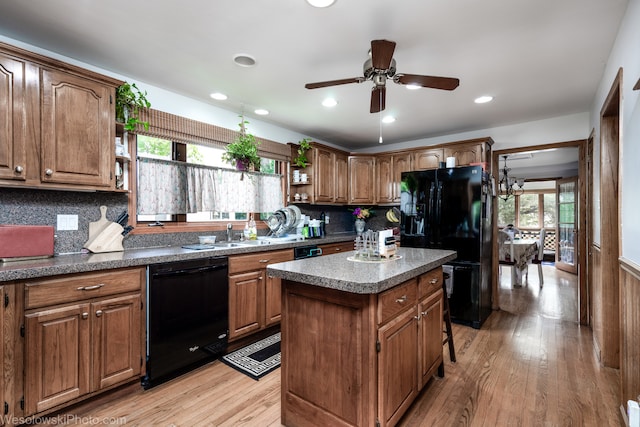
[(129, 101), (243, 151), (301, 160)]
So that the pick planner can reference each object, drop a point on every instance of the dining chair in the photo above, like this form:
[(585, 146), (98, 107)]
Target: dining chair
[(538, 258), (506, 253)]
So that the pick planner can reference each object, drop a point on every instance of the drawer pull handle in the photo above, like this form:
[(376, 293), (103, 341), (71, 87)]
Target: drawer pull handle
[(90, 288), (98, 313), (417, 317), (85, 315), (434, 281), (424, 313), (48, 172), (19, 169), (264, 260), (402, 299)]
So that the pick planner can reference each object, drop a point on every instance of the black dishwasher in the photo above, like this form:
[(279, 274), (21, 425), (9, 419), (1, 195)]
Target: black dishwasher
[(187, 316)]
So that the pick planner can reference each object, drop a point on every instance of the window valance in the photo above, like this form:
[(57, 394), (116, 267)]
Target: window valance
[(181, 129)]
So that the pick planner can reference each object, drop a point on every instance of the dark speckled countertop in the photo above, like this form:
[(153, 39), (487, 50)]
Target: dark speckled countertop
[(338, 272), (79, 263)]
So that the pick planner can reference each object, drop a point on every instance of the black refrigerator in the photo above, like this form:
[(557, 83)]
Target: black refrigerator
[(450, 208)]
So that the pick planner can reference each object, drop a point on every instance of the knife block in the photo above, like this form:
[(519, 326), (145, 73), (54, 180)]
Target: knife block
[(107, 239)]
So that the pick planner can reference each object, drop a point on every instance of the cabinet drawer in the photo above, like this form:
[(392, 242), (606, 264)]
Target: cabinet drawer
[(395, 300), (334, 248), (250, 262), (82, 286), (430, 282)]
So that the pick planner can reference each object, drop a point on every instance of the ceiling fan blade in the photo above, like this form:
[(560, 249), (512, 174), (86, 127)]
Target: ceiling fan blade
[(334, 83), (382, 53), (378, 98), (444, 83)]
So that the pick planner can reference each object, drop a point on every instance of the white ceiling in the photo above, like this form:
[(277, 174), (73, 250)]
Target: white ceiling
[(541, 164), (538, 58)]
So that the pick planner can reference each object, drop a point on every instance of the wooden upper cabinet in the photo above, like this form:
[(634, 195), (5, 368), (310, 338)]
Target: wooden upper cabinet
[(341, 178), (77, 132), (324, 175), (62, 116), (361, 179), (384, 179), (12, 116), (428, 159), (466, 154)]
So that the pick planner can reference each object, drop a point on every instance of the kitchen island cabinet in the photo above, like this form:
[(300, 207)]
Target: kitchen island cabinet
[(358, 339)]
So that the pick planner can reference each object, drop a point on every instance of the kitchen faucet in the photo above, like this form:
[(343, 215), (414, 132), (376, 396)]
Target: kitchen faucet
[(229, 232)]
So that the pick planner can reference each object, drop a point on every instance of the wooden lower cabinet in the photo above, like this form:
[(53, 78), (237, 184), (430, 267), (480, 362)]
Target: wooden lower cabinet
[(254, 296), (335, 248), (358, 359), (81, 347)]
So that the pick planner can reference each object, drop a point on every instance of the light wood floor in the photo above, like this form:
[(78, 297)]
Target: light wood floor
[(530, 364)]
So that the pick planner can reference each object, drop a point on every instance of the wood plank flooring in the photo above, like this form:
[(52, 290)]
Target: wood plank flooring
[(531, 364)]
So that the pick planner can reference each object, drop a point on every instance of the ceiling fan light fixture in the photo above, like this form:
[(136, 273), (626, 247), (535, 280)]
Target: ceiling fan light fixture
[(483, 99), (321, 3), (244, 60), (218, 96), (329, 102)]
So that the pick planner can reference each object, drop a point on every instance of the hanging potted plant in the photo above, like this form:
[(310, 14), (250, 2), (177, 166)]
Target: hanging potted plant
[(129, 101), (243, 151), (301, 160)]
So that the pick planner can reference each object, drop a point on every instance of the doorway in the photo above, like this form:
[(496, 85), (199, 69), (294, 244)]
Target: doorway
[(578, 147)]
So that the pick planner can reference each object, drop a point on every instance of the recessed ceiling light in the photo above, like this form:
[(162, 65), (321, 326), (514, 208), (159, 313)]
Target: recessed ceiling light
[(261, 112), (321, 3), (219, 96), (329, 102), (388, 119), (244, 60), (483, 99), (411, 86)]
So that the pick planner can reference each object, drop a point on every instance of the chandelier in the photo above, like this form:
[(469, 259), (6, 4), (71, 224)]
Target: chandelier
[(509, 186)]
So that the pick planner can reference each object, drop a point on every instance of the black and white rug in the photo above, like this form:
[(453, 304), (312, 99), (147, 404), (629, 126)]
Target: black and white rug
[(257, 359)]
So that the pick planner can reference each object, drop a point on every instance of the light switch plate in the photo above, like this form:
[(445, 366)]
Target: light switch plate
[(67, 222)]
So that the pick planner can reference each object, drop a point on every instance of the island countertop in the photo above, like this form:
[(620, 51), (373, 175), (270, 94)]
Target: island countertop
[(338, 272)]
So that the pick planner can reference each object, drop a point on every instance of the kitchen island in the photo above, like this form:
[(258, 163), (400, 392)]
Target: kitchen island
[(359, 339)]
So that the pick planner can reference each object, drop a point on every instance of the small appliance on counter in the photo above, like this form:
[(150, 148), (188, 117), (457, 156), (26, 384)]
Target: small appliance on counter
[(22, 242)]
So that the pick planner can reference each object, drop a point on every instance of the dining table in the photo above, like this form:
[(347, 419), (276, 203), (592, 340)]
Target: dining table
[(524, 250)]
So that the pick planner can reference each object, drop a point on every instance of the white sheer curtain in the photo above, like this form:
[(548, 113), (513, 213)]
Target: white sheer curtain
[(162, 187), (255, 193), (170, 187)]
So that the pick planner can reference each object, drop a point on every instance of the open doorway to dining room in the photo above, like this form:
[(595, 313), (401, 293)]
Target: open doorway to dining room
[(547, 192)]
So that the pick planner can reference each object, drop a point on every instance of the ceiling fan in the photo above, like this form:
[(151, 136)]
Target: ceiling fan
[(381, 66)]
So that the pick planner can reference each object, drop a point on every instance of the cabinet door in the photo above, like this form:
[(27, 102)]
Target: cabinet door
[(334, 248), (272, 300), (57, 357), (245, 303), (384, 179), (77, 131), (430, 335), (465, 154), (324, 177), (2, 350), (401, 163), (397, 367), (12, 117), (117, 350), (361, 178), (428, 159), (341, 178)]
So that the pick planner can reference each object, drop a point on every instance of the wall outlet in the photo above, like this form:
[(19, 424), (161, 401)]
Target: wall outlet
[(67, 222), (326, 219)]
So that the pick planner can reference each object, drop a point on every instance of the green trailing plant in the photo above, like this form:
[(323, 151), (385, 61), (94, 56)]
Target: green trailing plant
[(129, 101), (243, 151), (301, 160)]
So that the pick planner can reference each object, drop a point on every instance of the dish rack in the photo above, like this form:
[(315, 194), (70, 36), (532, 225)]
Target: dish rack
[(283, 220)]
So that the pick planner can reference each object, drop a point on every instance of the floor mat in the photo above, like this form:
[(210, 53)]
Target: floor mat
[(257, 359)]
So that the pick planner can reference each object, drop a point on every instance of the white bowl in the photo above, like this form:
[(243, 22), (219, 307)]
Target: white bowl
[(207, 240)]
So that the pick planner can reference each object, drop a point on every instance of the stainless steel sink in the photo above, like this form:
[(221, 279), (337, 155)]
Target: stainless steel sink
[(224, 245)]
